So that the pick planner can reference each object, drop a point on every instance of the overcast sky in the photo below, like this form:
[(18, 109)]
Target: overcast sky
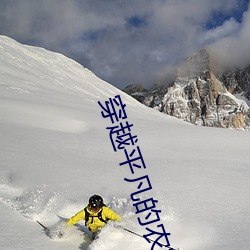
[(131, 41)]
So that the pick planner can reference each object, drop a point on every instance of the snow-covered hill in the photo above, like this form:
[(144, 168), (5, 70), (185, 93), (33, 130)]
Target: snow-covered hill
[(56, 152)]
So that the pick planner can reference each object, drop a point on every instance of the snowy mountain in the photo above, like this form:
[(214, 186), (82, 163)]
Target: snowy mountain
[(56, 152), (201, 95)]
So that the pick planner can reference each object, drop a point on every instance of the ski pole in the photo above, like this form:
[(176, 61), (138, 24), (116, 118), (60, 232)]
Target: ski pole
[(149, 239), (44, 227), (59, 233), (41, 225)]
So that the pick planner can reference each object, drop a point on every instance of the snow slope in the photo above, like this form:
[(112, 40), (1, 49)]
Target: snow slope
[(55, 152)]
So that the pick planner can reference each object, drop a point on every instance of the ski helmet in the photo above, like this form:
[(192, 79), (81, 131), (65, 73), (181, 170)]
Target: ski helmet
[(95, 202)]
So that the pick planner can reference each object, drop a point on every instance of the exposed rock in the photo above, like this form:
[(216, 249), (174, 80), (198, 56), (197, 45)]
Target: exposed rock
[(137, 91), (237, 81), (201, 97)]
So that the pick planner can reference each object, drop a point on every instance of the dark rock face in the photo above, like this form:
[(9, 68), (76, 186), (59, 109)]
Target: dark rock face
[(200, 97), (237, 81), (137, 91)]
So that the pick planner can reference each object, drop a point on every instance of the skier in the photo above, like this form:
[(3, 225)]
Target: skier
[(95, 214)]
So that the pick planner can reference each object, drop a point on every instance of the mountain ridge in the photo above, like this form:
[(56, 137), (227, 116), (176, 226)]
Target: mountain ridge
[(201, 95)]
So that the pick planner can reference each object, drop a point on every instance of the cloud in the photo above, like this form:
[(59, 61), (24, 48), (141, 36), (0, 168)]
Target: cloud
[(233, 49), (228, 28), (125, 42)]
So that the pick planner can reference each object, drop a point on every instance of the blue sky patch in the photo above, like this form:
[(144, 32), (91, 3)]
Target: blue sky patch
[(136, 21), (219, 17)]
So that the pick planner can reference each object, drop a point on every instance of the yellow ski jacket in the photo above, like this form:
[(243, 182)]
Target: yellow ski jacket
[(94, 223)]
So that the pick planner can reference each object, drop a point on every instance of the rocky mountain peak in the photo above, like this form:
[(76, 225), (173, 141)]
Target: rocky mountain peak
[(196, 64), (200, 96)]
